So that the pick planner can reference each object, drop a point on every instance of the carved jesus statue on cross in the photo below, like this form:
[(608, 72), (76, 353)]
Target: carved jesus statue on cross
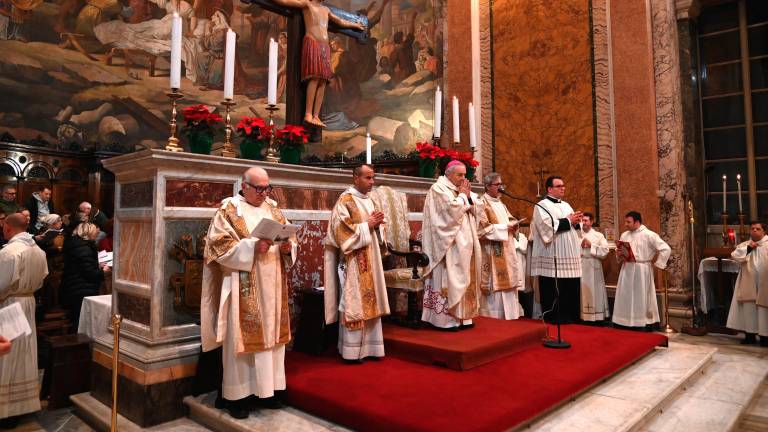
[(316, 52)]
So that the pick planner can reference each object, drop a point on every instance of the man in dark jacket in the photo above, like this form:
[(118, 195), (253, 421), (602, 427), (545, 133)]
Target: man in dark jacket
[(39, 204)]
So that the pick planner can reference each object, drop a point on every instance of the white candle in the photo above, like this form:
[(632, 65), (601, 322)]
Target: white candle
[(456, 123), (472, 137), (229, 65), (368, 148), (738, 186), (724, 178), (176, 52), (438, 112), (272, 81)]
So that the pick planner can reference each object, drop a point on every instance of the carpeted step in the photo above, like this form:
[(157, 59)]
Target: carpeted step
[(629, 399), (718, 400)]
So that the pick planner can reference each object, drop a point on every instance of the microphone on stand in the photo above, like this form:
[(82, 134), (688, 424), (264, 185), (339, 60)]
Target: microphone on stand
[(549, 343)]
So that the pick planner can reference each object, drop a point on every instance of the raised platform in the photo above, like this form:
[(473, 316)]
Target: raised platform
[(490, 339), (396, 394)]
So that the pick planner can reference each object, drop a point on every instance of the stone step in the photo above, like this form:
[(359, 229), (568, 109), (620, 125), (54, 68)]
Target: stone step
[(755, 419), (288, 419), (719, 399), (626, 401)]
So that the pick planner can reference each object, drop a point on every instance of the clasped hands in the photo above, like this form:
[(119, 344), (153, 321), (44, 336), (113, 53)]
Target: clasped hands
[(263, 245), (375, 219)]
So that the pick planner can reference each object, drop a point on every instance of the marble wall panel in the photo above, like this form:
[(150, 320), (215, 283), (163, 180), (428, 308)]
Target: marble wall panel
[(134, 195), (416, 203), (295, 198), (543, 102), (636, 160), (458, 69), (307, 272), (135, 257), (174, 230), (186, 193), (133, 308)]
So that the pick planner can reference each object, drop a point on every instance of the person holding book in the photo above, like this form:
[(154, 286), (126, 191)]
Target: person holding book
[(635, 304), (749, 306)]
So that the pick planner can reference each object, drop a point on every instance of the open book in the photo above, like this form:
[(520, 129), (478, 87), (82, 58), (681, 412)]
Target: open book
[(13, 322), (624, 251), (267, 229), (49, 235), (105, 258)]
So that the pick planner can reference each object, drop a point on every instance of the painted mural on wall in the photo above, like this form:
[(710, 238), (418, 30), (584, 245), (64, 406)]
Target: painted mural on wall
[(93, 74)]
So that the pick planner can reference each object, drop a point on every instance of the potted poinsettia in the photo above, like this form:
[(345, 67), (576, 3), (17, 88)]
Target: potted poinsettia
[(256, 135), (429, 158), (201, 127), (292, 139)]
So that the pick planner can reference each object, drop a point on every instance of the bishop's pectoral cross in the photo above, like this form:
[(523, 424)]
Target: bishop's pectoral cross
[(295, 91)]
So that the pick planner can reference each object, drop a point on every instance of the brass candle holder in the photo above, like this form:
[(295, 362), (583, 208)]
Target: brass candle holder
[(173, 142), (116, 320), (272, 154), (726, 240), (435, 141), (743, 232), (228, 150)]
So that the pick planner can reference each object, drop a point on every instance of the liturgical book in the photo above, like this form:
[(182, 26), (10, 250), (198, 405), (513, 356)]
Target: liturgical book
[(624, 250)]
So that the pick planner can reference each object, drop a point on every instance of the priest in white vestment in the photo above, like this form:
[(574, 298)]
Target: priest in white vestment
[(500, 272), (244, 305), (594, 248), (449, 238), (560, 244), (355, 289), (22, 269), (749, 305), (635, 304)]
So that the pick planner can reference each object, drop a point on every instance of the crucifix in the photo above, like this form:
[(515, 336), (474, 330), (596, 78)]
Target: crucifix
[(303, 102)]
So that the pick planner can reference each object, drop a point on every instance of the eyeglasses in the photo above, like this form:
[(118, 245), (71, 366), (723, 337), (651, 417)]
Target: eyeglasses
[(260, 189)]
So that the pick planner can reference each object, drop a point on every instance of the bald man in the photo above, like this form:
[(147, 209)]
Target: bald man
[(244, 306), (22, 270)]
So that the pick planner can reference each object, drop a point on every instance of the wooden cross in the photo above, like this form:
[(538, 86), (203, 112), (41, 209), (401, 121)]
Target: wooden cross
[(295, 91)]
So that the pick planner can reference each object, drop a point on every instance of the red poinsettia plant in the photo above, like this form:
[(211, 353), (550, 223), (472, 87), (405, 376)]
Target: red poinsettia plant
[(254, 128), (200, 119), (293, 135), (433, 157)]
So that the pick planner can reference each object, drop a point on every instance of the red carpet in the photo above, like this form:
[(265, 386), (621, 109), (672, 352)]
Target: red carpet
[(490, 339), (398, 395)]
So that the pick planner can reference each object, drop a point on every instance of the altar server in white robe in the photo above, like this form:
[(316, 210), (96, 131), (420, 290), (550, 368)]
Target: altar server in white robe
[(635, 304), (562, 243), (500, 272), (22, 269), (449, 238), (749, 305), (244, 305), (525, 291), (594, 248), (355, 289)]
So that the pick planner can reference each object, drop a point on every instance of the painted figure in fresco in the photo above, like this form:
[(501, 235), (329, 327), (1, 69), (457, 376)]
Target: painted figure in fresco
[(402, 61), (153, 36), (316, 52)]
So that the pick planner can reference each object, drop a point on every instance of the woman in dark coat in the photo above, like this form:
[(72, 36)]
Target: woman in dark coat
[(82, 273)]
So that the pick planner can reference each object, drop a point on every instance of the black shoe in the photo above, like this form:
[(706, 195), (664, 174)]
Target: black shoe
[(10, 422), (764, 341), (749, 339), (374, 358), (353, 361), (271, 403), (467, 326), (238, 409), (220, 403)]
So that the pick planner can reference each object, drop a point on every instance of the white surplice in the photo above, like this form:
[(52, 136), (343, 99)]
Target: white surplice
[(247, 371), (746, 312), (567, 246), (449, 238), (635, 304), (495, 303), (521, 249), (346, 292), (23, 268), (594, 299)]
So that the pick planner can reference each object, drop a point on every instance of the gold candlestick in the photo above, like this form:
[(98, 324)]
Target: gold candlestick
[(724, 217), (667, 328), (173, 142), (743, 234), (272, 154), (228, 150), (436, 141), (116, 319)]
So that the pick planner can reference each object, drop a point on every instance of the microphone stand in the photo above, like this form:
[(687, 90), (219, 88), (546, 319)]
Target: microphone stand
[(549, 343)]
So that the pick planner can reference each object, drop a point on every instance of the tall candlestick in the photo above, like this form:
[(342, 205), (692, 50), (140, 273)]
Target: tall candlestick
[(456, 122), (368, 156), (272, 80), (724, 179), (738, 187), (229, 65), (176, 52), (438, 113), (472, 138)]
